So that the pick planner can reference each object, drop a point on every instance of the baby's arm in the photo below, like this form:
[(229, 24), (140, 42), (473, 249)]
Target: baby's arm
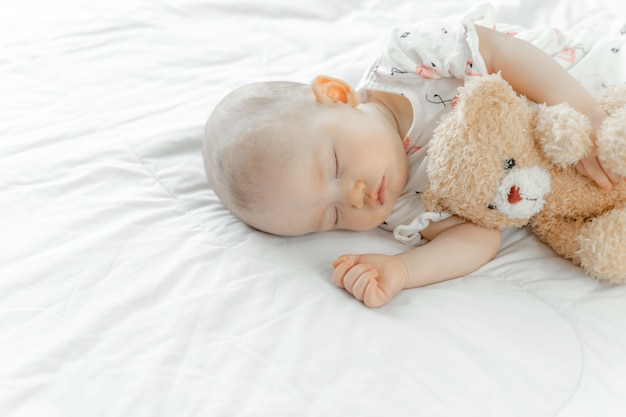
[(536, 75), (456, 248)]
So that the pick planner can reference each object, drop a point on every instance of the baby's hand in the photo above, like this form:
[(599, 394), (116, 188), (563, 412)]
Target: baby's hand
[(592, 168), (373, 279)]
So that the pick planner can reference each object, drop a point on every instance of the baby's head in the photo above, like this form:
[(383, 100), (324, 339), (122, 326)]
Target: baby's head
[(290, 158)]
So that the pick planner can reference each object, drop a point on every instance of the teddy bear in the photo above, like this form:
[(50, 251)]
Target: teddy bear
[(499, 160)]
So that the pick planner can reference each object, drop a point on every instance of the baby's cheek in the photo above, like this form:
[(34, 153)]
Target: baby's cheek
[(374, 220)]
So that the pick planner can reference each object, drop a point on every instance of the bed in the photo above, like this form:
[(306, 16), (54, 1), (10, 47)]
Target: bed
[(126, 288)]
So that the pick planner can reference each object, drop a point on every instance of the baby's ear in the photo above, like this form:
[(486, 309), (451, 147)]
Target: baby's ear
[(330, 90)]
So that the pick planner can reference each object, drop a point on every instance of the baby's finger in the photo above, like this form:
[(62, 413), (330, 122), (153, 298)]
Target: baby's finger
[(580, 167), (340, 271), (592, 169), (363, 282), (614, 178), (604, 178), (343, 258), (374, 295), (351, 277)]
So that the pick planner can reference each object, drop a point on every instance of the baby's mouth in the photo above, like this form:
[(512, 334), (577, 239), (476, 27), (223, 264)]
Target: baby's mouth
[(379, 195)]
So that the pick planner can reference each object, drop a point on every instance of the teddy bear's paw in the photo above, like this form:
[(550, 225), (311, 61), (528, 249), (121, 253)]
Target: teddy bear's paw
[(602, 241), (564, 134), (611, 142)]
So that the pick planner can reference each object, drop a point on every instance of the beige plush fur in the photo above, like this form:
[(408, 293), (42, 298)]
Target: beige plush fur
[(500, 160)]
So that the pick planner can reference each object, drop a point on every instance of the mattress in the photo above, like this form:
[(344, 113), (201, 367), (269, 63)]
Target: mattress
[(127, 289)]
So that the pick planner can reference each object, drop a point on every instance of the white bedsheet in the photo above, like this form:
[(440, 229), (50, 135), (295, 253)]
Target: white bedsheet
[(126, 289)]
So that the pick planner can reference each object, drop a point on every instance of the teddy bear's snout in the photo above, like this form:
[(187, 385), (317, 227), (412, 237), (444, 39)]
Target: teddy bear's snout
[(521, 192), (514, 195)]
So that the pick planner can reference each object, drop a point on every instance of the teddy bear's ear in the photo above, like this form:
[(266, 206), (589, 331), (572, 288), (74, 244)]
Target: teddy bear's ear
[(490, 92)]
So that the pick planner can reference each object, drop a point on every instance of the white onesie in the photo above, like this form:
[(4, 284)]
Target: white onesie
[(427, 61)]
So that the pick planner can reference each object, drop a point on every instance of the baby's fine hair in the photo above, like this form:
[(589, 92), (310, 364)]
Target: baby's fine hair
[(244, 130)]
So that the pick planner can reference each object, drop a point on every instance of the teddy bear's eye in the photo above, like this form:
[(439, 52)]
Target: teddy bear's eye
[(491, 206), (509, 163)]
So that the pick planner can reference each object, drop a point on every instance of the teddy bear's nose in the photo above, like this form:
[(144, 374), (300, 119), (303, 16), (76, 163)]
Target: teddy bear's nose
[(514, 195)]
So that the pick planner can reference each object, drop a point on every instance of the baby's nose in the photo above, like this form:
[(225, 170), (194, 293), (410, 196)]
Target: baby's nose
[(357, 194)]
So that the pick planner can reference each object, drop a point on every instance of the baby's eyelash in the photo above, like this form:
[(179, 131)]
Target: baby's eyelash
[(336, 222)]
